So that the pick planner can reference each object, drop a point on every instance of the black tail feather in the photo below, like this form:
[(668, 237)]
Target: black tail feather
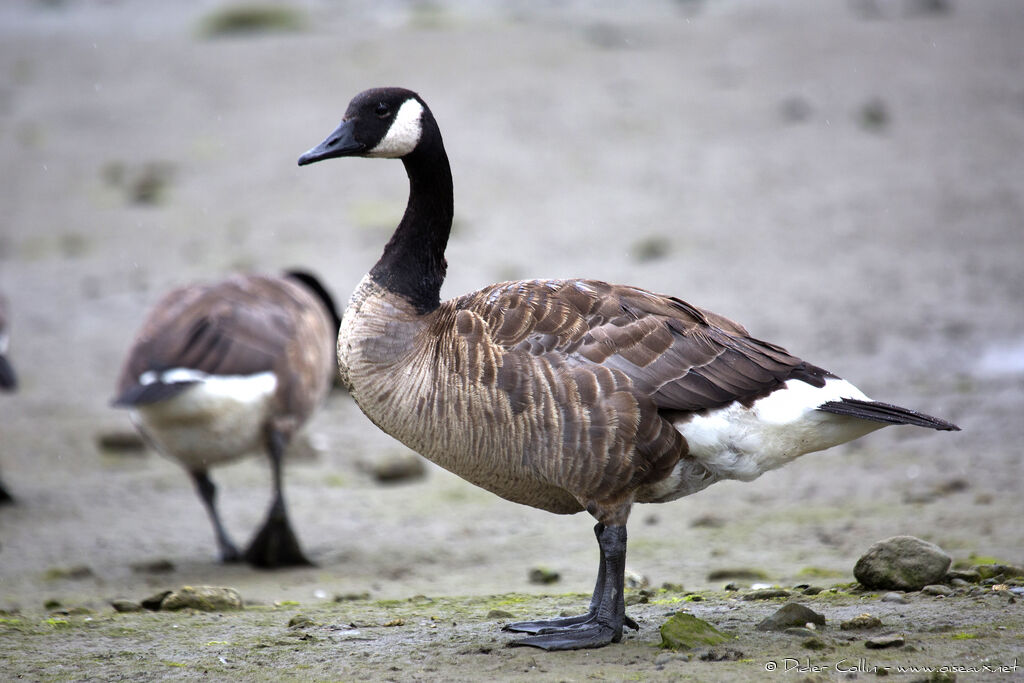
[(143, 394), (886, 413)]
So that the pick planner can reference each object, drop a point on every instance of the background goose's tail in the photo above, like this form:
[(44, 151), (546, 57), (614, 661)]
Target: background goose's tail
[(144, 394), (886, 413)]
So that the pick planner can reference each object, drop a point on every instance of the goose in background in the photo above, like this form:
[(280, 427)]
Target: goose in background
[(222, 370), (566, 395), (8, 380)]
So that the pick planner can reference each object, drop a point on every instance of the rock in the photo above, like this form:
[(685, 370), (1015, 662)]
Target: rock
[(861, 622), (998, 571), (766, 594), (814, 643), (636, 579), (203, 598), (895, 597), (740, 573), (707, 522), (300, 621), (499, 614), (882, 642), (801, 631), (937, 589), (121, 605), (684, 631), (812, 590), (351, 597), (121, 442), (968, 575), (902, 563), (396, 467), (791, 614), (161, 566), (543, 575), (154, 601)]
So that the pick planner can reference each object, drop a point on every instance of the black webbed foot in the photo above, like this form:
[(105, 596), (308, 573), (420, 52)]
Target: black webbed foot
[(275, 545), (603, 622), (560, 623), (578, 637)]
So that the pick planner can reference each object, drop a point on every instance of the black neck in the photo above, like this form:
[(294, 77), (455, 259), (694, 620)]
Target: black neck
[(413, 263)]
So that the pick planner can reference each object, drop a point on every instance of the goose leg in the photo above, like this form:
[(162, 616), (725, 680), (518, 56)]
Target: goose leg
[(548, 625), (5, 496), (275, 544), (208, 493), (603, 623)]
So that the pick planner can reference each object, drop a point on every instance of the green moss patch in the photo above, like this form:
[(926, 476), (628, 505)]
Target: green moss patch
[(684, 631)]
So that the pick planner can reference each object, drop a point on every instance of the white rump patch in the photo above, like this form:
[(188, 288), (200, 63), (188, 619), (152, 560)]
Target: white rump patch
[(404, 133), (737, 442), (219, 418)]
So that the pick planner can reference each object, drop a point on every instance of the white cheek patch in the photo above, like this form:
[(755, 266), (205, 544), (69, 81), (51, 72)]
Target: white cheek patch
[(404, 133)]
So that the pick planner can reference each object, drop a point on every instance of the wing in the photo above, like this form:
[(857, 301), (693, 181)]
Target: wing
[(228, 328), (682, 357)]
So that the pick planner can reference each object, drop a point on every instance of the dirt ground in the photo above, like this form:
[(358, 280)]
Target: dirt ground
[(845, 178)]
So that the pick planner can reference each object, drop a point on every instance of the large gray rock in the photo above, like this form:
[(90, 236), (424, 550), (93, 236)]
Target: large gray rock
[(902, 563)]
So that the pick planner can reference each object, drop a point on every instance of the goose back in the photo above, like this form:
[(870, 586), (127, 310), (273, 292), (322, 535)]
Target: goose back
[(240, 327)]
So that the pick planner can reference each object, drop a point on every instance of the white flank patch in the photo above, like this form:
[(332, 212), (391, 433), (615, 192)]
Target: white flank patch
[(404, 133), (216, 420), (742, 443), (4, 340)]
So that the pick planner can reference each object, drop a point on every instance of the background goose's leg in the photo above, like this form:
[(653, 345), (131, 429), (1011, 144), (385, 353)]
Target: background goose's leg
[(275, 544), (605, 626), (208, 493)]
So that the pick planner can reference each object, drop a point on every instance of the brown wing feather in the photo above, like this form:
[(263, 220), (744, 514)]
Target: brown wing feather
[(614, 362), (684, 358)]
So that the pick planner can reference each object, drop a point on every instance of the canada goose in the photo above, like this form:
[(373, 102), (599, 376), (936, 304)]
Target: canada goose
[(566, 395), (221, 370), (8, 380)]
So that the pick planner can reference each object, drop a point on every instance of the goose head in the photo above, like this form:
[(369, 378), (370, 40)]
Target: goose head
[(381, 122)]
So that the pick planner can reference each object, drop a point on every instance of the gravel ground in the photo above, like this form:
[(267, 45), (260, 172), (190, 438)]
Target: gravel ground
[(844, 178)]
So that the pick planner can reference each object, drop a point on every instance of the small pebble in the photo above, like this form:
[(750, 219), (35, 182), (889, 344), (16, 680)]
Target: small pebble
[(814, 643), (766, 594), (937, 590), (895, 597), (126, 606), (542, 575), (882, 642), (801, 631), (300, 621), (861, 621)]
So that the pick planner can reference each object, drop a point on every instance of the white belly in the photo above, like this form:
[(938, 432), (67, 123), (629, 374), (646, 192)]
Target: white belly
[(214, 421)]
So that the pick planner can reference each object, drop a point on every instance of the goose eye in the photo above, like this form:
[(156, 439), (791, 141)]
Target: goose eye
[(383, 110)]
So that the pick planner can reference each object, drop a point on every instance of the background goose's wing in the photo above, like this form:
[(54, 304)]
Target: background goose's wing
[(235, 327)]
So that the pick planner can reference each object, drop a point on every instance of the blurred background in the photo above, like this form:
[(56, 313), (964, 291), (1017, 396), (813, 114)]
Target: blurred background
[(844, 178)]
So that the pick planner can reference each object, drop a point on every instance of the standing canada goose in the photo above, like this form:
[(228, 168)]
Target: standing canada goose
[(222, 370), (8, 380), (566, 395)]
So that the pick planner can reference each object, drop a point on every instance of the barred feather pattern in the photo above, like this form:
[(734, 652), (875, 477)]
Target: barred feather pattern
[(559, 394)]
